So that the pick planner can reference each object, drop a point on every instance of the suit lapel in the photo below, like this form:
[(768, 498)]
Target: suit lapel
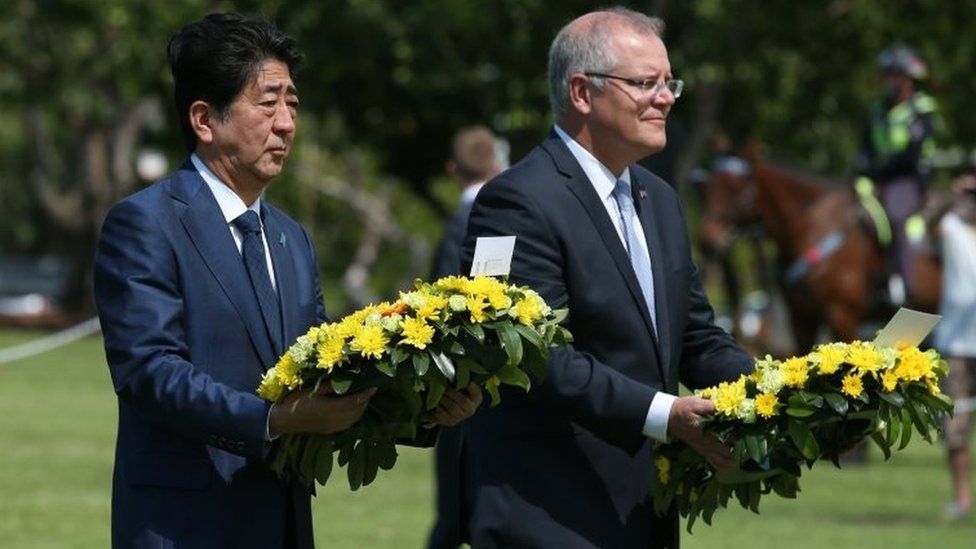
[(285, 278), (581, 187), (652, 235), (205, 225)]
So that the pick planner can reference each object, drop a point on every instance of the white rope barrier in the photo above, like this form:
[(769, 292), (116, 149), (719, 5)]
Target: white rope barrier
[(51, 342)]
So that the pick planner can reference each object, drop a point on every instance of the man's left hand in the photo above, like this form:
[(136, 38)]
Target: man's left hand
[(456, 406)]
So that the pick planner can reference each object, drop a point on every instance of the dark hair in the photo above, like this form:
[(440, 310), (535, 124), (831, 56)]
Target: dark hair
[(214, 58)]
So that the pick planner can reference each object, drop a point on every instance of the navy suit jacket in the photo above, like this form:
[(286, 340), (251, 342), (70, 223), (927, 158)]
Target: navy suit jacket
[(186, 347), (566, 465)]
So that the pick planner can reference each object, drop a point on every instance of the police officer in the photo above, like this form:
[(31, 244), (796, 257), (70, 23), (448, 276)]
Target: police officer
[(893, 161)]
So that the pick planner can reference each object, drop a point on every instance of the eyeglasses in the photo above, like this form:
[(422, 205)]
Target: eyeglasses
[(654, 86)]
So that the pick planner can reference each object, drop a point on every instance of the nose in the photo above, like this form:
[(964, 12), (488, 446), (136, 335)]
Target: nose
[(284, 120)]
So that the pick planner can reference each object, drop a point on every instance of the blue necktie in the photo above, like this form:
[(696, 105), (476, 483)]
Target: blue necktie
[(638, 253), (257, 269)]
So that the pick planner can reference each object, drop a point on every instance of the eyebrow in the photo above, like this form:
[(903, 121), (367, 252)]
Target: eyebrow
[(277, 87)]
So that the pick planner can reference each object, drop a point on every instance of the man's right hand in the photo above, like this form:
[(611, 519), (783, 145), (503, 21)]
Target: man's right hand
[(684, 423), (322, 412)]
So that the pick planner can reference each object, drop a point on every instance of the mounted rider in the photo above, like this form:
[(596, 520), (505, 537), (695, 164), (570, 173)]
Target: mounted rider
[(893, 162)]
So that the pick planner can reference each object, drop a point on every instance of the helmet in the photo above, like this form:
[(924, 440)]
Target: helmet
[(904, 60)]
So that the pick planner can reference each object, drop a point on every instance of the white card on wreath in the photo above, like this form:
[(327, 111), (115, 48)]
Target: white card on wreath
[(493, 255), (906, 328)]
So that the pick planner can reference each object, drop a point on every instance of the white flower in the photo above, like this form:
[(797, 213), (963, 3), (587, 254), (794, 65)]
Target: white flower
[(747, 411), (301, 349), (457, 303), (770, 380)]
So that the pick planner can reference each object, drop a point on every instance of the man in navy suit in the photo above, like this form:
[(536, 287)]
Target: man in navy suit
[(569, 464), (200, 286)]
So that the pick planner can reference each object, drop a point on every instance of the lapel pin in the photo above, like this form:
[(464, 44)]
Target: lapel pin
[(281, 239), (642, 193)]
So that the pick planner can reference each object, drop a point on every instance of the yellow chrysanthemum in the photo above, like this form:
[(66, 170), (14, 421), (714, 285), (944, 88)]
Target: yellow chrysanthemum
[(864, 357), (330, 352), (829, 357), (452, 284), (286, 370), (933, 387), (913, 365), (663, 469), (889, 380), (477, 306), (852, 386), (528, 310), (795, 371), (766, 405), (417, 332), (729, 395), (271, 387), (433, 304), (707, 393), (369, 341)]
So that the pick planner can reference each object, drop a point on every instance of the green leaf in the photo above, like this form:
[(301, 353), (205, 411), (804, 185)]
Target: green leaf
[(341, 384), (475, 330), (386, 454), (882, 443), (895, 399), (755, 446), (837, 402), (812, 399), (398, 355), (410, 397), (323, 465), (307, 465), (386, 368), (444, 364), (920, 425), (462, 374), (754, 496), (474, 366), (893, 429), (530, 335), (804, 440), (906, 429), (435, 390), (496, 398), (421, 362), (512, 375), (511, 343), (559, 315), (370, 466), (357, 466)]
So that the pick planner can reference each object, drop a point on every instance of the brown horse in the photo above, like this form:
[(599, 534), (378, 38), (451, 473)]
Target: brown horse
[(832, 269)]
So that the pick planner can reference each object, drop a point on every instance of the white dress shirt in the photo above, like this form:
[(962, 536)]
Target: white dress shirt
[(604, 181), (232, 207)]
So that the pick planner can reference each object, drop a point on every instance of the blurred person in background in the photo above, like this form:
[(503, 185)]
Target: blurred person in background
[(955, 335), (893, 163), (475, 158)]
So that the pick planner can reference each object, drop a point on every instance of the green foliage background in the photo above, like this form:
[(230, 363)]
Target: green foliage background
[(388, 82)]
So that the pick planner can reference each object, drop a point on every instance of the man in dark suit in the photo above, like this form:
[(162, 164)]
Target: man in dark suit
[(200, 286), (569, 464), (474, 160)]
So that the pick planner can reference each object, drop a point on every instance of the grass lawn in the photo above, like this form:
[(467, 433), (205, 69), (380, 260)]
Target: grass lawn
[(59, 419)]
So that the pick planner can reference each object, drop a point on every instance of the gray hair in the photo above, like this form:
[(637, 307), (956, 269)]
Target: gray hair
[(576, 50)]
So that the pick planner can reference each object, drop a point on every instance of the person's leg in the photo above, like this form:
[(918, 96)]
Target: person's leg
[(958, 429)]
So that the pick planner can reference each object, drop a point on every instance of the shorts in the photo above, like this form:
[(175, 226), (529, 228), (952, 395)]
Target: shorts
[(959, 385)]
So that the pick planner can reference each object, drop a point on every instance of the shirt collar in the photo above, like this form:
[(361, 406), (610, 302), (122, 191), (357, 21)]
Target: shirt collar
[(599, 175), (471, 192), (230, 204)]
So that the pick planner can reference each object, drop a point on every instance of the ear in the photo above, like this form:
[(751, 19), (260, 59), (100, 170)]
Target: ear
[(202, 119), (580, 98)]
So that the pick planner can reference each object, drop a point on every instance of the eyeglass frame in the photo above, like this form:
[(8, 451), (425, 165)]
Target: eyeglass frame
[(647, 84)]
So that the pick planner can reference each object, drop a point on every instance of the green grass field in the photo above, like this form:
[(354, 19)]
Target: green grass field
[(58, 426)]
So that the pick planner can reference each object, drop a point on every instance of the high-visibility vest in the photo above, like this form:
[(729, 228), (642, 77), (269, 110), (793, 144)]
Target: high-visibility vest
[(891, 130)]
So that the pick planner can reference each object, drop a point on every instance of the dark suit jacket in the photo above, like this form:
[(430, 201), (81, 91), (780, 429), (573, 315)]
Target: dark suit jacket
[(186, 347), (567, 465)]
